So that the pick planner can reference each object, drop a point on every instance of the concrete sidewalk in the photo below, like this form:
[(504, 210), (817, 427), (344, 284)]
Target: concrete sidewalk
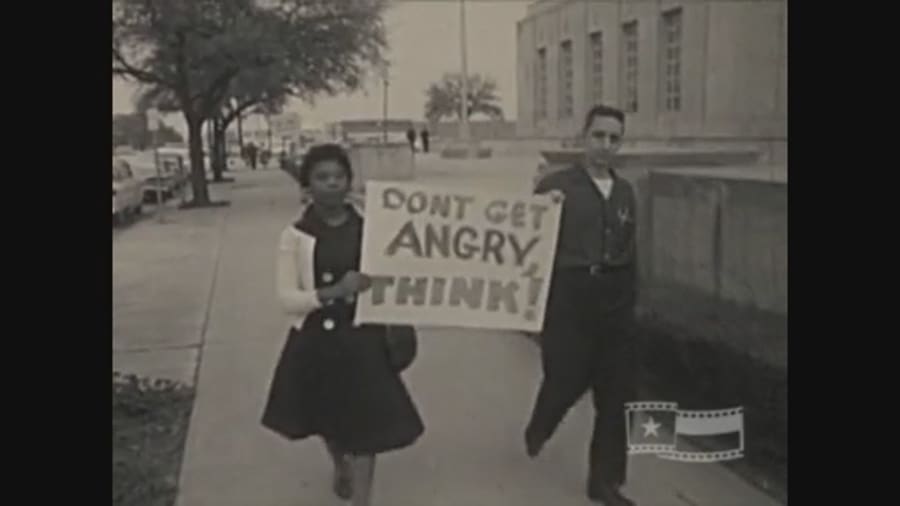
[(474, 390), (162, 280)]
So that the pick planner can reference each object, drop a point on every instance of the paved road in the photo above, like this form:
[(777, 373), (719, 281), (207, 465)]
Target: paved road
[(474, 389)]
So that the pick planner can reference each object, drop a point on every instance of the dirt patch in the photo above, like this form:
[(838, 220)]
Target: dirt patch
[(150, 424)]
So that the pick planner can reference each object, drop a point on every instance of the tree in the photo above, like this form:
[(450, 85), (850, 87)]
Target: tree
[(188, 50), (443, 97), (326, 47), (332, 56), (249, 92), (268, 109), (262, 92), (192, 52)]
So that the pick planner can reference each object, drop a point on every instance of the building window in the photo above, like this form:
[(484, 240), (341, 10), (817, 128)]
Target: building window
[(671, 50), (540, 85), (596, 83), (630, 58), (566, 78)]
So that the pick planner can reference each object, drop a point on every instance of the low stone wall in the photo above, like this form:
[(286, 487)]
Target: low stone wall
[(765, 151), (723, 236), (636, 157), (714, 259)]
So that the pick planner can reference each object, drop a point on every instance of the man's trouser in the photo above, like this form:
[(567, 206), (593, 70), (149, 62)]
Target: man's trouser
[(588, 344)]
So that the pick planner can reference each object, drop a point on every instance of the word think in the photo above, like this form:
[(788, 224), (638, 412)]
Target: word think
[(458, 291)]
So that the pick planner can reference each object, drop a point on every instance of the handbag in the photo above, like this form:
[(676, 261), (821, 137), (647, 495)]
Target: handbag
[(402, 346)]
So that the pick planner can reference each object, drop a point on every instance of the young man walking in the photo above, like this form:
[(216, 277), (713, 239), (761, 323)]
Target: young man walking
[(587, 342)]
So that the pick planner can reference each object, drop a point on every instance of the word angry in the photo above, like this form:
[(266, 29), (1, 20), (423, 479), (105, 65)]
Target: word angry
[(462, 242)]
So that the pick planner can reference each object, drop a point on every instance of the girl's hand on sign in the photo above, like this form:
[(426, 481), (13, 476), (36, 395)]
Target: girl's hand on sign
[(557, 196), (355, 282)]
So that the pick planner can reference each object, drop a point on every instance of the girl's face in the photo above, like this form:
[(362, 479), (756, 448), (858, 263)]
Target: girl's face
[(328, 183)]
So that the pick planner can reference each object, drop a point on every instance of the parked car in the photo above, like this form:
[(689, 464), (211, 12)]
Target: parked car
[(128, 192), (175, 161), (166, 182)]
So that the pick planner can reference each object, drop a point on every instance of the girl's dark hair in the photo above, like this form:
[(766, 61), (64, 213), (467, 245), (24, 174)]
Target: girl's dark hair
[(321, 153), (600, 111)]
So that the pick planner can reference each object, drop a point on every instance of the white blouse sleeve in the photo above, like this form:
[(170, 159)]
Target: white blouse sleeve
[(295, 297)]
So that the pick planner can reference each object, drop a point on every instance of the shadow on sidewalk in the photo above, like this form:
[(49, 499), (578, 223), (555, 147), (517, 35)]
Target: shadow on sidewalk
[(700, 375)]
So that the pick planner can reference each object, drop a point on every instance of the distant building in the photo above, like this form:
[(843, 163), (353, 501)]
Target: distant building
[(371, 130), (687, 72)]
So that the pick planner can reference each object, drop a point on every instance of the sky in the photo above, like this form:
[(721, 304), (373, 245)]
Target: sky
[(423, 36)]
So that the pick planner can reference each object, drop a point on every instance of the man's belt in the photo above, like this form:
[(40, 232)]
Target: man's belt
[(598, 270)]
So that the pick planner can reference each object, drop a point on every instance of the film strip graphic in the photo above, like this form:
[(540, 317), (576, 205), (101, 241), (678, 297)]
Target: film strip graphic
[(665, 431)]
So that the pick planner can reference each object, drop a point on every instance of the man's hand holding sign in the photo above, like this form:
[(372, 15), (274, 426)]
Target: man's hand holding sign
[(457, 257)]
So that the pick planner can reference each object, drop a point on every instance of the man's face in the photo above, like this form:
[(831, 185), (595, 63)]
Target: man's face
[(603, 139)]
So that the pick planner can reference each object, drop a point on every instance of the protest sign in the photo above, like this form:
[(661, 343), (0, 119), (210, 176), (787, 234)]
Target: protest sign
[(456, 257)]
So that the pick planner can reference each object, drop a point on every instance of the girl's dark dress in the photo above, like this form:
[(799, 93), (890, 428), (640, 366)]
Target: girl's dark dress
[(334, 379)]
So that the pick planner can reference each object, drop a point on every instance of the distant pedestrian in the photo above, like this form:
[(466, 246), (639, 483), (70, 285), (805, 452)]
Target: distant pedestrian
[(334, 379), (252, 152), (411, 137), (424, 135)]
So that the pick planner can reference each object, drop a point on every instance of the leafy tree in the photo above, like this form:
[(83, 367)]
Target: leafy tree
[(249, 93), (325, 47), (443, 97), (203, 55), (190, 50)]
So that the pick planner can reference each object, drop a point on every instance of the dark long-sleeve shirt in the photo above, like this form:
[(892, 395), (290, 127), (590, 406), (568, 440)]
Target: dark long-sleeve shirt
[(594, 230)]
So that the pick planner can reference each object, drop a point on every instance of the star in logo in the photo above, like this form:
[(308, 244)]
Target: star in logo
[(650, 428), (624, 215)]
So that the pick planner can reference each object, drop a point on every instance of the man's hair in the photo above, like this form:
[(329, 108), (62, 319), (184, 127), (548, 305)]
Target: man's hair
[(321, 153), (598, 111)]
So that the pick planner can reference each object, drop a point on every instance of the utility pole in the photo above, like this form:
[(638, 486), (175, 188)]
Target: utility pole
[(464, 134), (385, 79)]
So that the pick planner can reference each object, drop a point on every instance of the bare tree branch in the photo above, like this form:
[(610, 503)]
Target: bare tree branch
[(233, 113), (121, 67)]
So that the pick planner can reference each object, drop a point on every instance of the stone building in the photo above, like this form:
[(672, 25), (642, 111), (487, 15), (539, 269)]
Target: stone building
[(687, 72)]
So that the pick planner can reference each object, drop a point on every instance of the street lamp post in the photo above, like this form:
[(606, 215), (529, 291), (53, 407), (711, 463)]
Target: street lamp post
[(464, 134), (153, 123)]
